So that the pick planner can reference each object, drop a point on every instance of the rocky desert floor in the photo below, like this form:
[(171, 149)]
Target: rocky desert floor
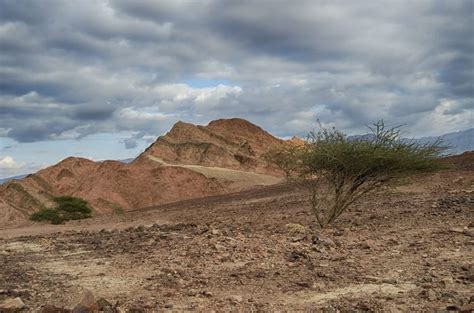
[(406, 248)]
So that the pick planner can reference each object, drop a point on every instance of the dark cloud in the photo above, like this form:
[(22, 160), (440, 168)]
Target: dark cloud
[(71, 69), (130, 143)]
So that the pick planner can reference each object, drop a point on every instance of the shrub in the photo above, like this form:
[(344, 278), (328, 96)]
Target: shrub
[(296, 229), (67, 208), (284, 159), (47, 214), (337, 170)]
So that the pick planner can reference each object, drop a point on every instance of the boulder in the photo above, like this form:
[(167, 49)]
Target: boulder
[(12, 305)]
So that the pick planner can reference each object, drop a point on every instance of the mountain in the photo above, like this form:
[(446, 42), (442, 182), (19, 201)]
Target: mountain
[(230, 143), (190, 161), (4, 180), (458, 141)]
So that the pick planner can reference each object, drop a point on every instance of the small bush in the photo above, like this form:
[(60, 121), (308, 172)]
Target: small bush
[(47, 214), (67, 208), (117, 209), (296, 229)]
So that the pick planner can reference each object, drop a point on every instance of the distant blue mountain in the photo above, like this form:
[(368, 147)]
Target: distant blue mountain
[(458, 142), (130, 160), (4, 180)]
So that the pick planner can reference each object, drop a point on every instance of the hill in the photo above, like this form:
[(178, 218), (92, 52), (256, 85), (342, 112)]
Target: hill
[(227, 143), (189, 161)]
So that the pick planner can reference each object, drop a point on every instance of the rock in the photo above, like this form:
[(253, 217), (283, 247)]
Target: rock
[(429, 294), (207, 293), (88, 300), (462, 231), (53, 309), (82, 309), (87, 303), (136, 309), (469, 308), (298, 237), (368, 244), (323, 241), (451, 307), (235, 298), (103, 304), (12, 305), (296, 255)]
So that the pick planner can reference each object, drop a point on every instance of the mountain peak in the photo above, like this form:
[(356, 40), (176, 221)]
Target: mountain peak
[(232, 122), (232, 143)]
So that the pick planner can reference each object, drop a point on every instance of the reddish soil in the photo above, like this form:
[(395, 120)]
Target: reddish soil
[(408, 248)]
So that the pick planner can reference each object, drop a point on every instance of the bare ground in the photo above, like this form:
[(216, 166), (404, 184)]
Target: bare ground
[(406, 248)]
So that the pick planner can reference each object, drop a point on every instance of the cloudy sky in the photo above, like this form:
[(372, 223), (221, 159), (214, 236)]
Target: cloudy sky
[(103, 79)]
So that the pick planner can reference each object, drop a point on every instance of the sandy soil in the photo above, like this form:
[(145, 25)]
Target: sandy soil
[(407, 248), (238, 179)]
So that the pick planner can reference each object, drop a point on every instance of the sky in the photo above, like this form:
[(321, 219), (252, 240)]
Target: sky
[(103, 78)]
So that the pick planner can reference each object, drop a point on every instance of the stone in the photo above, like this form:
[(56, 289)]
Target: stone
[(136, 309), (103, 304), (53, 309), (191, 292), (82, 309), (469, 308), (236, 298), (324, 241), (369, 244), (12, 305), (207, 293), (88, 301)]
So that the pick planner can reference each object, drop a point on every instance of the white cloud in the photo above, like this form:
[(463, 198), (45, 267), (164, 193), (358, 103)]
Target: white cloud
[(8, 163), (145, 114), (10, 167)]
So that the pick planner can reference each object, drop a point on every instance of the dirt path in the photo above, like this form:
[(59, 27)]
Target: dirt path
[(239, 179)]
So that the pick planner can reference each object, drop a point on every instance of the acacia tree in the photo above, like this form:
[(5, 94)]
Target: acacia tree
[(285, 159), (337, 170)]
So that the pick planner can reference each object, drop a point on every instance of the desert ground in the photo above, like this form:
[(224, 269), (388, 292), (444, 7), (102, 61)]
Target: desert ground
[(406, 248)]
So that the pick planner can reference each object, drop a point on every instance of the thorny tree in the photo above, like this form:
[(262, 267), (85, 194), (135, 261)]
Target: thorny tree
[(337, 170)]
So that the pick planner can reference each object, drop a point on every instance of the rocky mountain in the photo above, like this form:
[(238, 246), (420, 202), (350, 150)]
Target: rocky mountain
[(231, 143), (189, 161), (458, 142)]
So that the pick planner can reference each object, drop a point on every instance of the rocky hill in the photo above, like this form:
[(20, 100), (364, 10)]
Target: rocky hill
[(232, 143), (189, 161)]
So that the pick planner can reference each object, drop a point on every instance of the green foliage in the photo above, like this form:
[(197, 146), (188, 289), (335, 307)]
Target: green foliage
[(338, 170), (285, 159), (47, 214), (117, 209), (67, 208)]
